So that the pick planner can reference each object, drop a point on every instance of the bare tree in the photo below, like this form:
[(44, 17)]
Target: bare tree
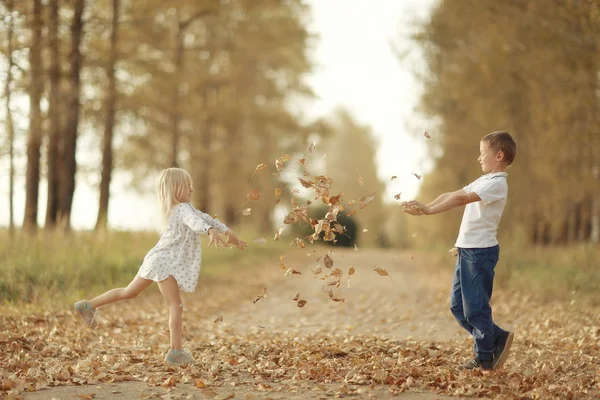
[(69, 142), (110, 101), (34, 140), (10, 129), (54, 114)]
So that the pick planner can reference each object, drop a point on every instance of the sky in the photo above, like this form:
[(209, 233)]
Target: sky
[(356, 68)]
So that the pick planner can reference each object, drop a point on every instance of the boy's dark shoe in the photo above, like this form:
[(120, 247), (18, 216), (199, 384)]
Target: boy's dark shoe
[(502, 349), (477, 363)]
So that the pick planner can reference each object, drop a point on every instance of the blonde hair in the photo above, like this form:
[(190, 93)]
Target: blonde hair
[(171, 185)]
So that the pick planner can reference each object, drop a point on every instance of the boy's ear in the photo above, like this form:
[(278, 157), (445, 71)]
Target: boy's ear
[(500, 156)]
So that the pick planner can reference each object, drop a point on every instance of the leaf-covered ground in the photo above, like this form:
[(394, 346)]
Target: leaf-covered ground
[(391, 335)]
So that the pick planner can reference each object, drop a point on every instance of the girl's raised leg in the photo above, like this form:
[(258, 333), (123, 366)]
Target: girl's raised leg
[(135, 287)]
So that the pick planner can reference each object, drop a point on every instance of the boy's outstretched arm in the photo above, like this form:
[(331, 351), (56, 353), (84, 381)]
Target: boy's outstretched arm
[(455, 199), (442, 197)]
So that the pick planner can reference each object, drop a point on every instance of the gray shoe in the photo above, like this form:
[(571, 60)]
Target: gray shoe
[(87, 313), (177, 358)]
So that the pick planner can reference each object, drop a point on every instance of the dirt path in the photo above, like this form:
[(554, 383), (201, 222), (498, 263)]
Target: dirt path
[(391, 337)]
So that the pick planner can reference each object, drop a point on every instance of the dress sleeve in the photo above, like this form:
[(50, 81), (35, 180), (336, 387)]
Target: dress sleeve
[(186, 215), (213, 222)]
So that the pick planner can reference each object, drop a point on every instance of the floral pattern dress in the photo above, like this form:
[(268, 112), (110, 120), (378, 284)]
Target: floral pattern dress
[(178, 252)]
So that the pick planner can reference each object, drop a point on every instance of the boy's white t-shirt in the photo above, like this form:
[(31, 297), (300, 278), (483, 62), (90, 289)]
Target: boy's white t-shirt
[(481, 218)]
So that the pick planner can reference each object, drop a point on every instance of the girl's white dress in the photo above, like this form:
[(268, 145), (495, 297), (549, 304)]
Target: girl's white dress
[(178, 252)]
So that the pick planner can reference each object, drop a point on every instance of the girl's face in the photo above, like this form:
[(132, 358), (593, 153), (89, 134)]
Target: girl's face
[(488, 159), (187, 193)]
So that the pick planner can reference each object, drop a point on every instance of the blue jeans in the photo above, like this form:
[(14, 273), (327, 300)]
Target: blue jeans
[(471, 293)]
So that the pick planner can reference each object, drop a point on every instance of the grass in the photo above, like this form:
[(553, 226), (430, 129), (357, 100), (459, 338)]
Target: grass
[(546, 272), (48, 267)]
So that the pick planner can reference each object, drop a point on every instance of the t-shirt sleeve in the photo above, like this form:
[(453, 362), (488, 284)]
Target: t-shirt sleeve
[(490, 190), (188, 217), (213, 222)]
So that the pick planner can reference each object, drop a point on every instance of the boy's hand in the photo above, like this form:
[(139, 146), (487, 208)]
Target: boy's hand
[(414, 207), (215, 238), (233, 240)]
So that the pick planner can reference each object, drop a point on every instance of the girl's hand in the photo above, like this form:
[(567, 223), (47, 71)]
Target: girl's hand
[(215, 238), (233, 240)]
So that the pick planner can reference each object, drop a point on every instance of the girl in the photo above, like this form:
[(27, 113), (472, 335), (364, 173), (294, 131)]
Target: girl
[(174, 263)]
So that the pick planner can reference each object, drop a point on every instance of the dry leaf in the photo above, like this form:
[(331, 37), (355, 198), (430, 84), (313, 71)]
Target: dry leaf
[(361, 181), (301, 303), (247, 211), (301, 161), (259, 168), (427, 135), (351, 271), (362, 203), (86, 396), (292, 271), (365, 230), (254, 194), (296, 297), (318, 270), (218, 319), (355, 247), (382, 272), (393, 177), (311, 147), (417, 176), (453, 251), (261, 241), (199, 384), (169, 382), (305, 183), (328, 261), (278, 233), (261, 295), (397, 196)]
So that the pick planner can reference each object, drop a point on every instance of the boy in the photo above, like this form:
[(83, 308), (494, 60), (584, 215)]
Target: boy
[(478, 249)]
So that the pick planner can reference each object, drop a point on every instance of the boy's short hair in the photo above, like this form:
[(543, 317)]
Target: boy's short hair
[(502, 141)]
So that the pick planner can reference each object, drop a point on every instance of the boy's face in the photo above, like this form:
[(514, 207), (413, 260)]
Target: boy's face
[(488, 159)]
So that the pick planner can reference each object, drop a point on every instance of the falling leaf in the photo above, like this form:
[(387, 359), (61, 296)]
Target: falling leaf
[(301, 303), (414, 234), (318, 270), (254, 194), (382, 272), (247, 211), (361, 181), (351, 213), (453, 251), (300, 243), (362, 203), (427, 135), (292, 271), (355, 247), (296, 297), (393, 177), (305, 183), (218, 319), (328, 261), (259, 240), (199, 384), (397, 196), (365, 230), (285, 157), (259, 168), (278, 233), (261, 295), (279, 164), (351, 271), (417, 176), (301, 161)]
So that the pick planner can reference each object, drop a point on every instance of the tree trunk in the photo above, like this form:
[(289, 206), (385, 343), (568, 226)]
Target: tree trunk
[(107, 145), (54, 110), (69, 148), (176, 115), (10, 128), (34, 140)]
